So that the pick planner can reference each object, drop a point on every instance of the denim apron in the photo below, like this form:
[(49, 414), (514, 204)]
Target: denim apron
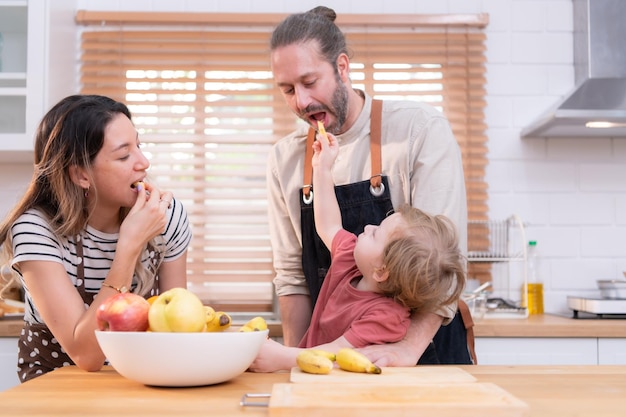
[(363, 203), (38, 350)]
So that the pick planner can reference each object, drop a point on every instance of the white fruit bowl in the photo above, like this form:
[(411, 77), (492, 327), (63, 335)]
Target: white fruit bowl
[(180, 359)]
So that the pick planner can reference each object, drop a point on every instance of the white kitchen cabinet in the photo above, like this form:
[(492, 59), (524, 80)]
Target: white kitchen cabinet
[(536, 351), (8, 363), (611, 351), (38, 55)]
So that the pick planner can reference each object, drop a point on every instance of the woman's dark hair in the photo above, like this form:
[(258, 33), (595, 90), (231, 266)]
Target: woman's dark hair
[(70, 134)]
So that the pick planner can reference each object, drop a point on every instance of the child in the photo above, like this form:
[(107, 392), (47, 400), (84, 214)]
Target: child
[(411, 261)]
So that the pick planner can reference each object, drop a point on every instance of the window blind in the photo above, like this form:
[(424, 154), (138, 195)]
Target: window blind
[(201, 93)]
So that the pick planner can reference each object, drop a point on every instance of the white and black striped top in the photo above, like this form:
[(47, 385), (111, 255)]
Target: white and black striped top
[(33, 239)]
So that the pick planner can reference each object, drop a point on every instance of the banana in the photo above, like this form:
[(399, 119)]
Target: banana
[(329, 355), (322, 130), (219, 322), (312, 362), (354, 361), (254, 325), (209, 316)]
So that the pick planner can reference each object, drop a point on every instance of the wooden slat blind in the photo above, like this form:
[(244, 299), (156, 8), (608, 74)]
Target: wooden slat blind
[(204, 102)]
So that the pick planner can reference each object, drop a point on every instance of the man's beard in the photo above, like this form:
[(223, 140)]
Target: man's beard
[(339, 103), (338, 108)]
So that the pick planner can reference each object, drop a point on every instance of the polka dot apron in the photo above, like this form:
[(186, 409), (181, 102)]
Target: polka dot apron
[(39, 351)]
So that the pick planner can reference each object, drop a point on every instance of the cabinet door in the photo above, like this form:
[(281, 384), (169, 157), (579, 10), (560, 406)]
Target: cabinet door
[(13, 59), (611, 351), (22, 69), (8, 363), (536, 351)]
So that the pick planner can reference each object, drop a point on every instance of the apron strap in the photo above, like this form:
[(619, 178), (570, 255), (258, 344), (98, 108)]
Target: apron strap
[(375, 154), (375, 129), (466, 315), (308, 167), (80, 272)]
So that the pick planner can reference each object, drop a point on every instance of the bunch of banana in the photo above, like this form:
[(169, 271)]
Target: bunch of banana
[(354, 361), (315, 361), (256, 324), (216, 321)]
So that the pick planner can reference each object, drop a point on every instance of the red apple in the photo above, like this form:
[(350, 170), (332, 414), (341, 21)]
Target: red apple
[(125, 312)]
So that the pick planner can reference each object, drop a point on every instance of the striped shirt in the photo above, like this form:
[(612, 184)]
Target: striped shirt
[(34, 240)]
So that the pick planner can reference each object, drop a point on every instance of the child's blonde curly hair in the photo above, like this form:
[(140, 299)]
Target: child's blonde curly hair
[(425, 265)]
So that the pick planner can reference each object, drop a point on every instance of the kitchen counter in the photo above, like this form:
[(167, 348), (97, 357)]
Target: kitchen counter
[(547, 325), (548, 390), (11, 327)]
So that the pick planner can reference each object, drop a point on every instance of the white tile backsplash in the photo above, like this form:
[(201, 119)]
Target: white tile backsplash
[(580, 149), (603, 177), (603, 242), (620, 210), (528, 16), (577, 208)]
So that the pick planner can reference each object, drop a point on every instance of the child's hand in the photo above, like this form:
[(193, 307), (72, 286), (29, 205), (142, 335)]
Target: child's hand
[(272, 357), (326, 149)]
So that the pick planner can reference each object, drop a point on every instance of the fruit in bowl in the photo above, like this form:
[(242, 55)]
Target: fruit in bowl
[(177, 310), (175, 359), (187, 343), (123, 312)]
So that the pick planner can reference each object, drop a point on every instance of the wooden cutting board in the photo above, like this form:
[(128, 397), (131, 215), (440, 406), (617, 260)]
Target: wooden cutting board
[(389, 375), (474, 399)]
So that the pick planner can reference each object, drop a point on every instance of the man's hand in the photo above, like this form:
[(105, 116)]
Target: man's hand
[(402, 353), (407, 351)]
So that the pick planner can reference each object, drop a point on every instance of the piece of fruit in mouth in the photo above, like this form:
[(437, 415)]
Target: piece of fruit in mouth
[(322, 130), (143, 185)]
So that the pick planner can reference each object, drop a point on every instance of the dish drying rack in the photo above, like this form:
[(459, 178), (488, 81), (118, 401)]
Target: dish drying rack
[(502, 244)]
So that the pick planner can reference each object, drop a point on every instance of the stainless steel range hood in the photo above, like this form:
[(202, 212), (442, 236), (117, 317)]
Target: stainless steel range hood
[(599, 98)]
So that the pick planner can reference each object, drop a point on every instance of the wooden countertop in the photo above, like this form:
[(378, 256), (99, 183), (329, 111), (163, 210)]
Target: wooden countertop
[(11, 327), (547, 325), (548, 390)]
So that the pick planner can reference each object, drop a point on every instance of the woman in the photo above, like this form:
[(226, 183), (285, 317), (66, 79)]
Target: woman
[(87, 228)]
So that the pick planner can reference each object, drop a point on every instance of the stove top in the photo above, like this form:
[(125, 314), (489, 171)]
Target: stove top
[(602, 307)]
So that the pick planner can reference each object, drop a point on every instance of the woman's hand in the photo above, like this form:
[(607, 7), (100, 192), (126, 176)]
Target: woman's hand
[(147, 218)]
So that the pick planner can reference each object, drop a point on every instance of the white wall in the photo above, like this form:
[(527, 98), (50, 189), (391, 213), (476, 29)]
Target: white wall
[(571, 192)]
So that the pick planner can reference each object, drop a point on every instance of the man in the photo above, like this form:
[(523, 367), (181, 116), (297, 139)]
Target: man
[(417, 162)]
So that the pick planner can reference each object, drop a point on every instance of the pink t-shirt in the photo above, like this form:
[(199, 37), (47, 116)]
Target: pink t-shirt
[(363, 317)]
